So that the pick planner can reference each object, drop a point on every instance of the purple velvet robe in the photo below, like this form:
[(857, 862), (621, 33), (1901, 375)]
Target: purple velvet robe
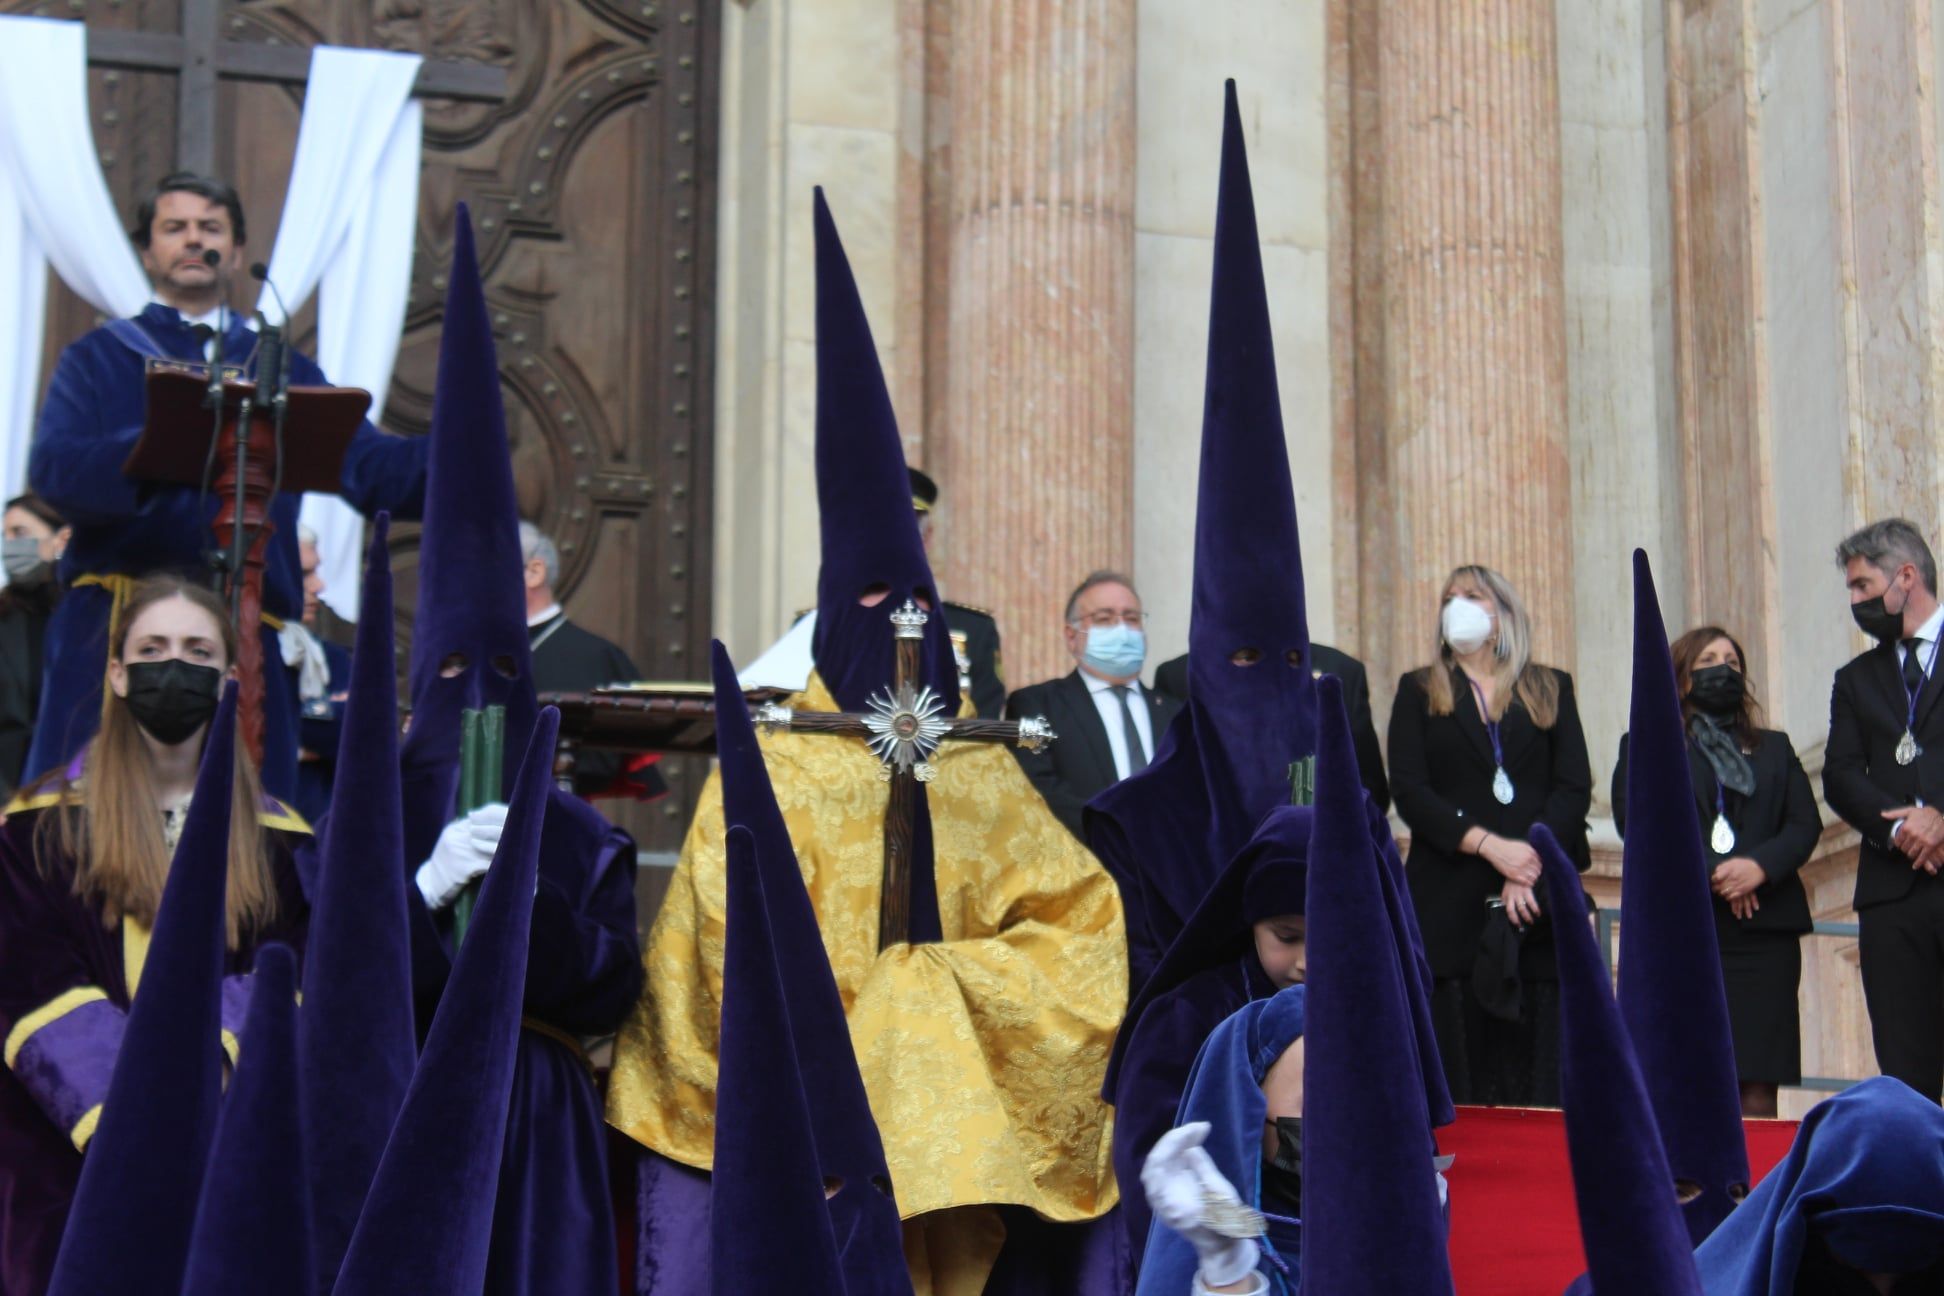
[(553, 1225), (54, 944), (1038, 1258)]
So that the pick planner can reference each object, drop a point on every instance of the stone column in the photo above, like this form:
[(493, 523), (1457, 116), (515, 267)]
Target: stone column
[(1030, 342), (1461, 448)]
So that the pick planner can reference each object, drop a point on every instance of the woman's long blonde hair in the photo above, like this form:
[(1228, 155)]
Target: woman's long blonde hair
[(109, 823), (1536, 688)]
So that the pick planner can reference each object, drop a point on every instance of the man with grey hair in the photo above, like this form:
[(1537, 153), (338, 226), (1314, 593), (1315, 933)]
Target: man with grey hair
[(1883, 771), (568, 658), (1107, 721)]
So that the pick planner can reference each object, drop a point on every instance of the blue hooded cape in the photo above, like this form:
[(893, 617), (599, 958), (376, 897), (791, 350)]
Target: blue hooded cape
[(1225, 1089), (1864, 1181)]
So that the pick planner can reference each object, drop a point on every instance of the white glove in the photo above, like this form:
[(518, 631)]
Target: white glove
[(464, 852), (301, 649), (1179, 1178)]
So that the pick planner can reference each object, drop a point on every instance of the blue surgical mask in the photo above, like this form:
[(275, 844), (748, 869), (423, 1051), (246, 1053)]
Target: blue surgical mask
[(1116, 651)]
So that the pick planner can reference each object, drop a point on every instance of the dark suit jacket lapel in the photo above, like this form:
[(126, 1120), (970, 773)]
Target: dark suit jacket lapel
[(1926, 700), (1889, 675), (1092, 731), (1701, 774), (1464, 707)]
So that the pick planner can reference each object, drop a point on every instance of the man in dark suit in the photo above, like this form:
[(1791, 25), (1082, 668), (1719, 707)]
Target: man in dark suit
[(571, 659), (1107, 723), (1171, 677), (1883, 771)]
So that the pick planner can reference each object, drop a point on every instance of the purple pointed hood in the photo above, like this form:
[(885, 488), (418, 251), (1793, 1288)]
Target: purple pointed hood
[(1671, 992), (357, 1039), (128, 1230), (253, 1225), (869, 531), (1630, 1223), (1371, 1216), (470, 617), (783, 1047), (1269, 877), (1252, 706), (428, 1218)]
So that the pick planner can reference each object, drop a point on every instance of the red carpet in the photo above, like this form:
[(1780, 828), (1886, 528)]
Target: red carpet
[(1514, 1227)]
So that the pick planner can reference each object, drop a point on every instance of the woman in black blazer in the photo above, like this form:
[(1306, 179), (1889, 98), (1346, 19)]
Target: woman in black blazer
[(1750, 780), (1484, 744)]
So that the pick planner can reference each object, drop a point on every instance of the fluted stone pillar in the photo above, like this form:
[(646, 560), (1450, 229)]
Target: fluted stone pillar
[(1461, 383), (1030, 343)]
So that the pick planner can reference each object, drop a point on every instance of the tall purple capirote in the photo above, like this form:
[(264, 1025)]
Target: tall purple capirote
[(869, 531), (1371, 1216), (356, 1039), (1630, 1223), (253, 1224), (428, 1218), (1671, 992), (128, 1230), (1252, 706), (843, 1134), (469, 632), (766, 1141)]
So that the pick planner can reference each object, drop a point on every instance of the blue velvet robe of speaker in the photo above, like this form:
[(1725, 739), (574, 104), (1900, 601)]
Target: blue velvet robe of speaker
[(88, 425), (64, 1002)]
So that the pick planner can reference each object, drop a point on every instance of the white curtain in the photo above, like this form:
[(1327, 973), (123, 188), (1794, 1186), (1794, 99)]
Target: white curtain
[(54, 208), (347, 232)]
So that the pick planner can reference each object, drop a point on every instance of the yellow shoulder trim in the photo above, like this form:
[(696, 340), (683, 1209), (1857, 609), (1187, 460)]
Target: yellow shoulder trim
[(284, 819), (969, 607), (84, 1128), (37, 801), (47, 1014)]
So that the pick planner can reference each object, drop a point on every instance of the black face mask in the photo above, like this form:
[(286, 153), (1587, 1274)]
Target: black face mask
[(1717, 690), (1877, 621), (1282, 1172), (172, 699)]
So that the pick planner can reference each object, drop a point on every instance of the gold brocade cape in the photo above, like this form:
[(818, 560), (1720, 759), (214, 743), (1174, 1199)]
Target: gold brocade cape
[(982, 1056)]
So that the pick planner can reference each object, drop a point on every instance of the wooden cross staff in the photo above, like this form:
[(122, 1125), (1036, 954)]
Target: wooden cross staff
[(904, 727), (200, 58)]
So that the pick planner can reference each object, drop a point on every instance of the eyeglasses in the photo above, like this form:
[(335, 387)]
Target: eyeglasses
[(1105, 618)]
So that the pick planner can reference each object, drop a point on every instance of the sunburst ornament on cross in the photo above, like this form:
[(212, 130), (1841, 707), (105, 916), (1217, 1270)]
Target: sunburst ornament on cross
[(904, 726)]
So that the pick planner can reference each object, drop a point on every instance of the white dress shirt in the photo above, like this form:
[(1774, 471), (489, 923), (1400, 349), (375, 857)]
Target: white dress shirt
[(1108, 703), (217, 317)]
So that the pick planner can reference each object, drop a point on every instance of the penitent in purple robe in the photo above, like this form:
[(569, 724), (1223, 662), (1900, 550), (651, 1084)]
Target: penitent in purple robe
[(64, 1001), (90, 422), (553, 1223)]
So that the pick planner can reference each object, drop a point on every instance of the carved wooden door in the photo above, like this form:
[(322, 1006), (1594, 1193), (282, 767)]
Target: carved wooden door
[(592, 193)]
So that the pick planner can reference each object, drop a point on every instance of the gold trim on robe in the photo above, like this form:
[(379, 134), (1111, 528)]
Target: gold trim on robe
[(983, 1055), (84, 1129), (31, 1024)]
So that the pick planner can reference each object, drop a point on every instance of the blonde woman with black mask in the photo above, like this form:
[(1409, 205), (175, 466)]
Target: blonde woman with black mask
[(84, 855)]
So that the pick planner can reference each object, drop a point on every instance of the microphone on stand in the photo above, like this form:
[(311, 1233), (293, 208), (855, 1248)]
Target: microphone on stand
[(213, 395), (273, 365)]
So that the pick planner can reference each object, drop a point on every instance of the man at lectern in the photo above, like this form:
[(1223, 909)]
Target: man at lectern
[(190, 233)]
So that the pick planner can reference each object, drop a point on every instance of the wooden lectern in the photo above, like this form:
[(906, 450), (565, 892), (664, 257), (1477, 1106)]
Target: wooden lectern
[(176, 448)]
